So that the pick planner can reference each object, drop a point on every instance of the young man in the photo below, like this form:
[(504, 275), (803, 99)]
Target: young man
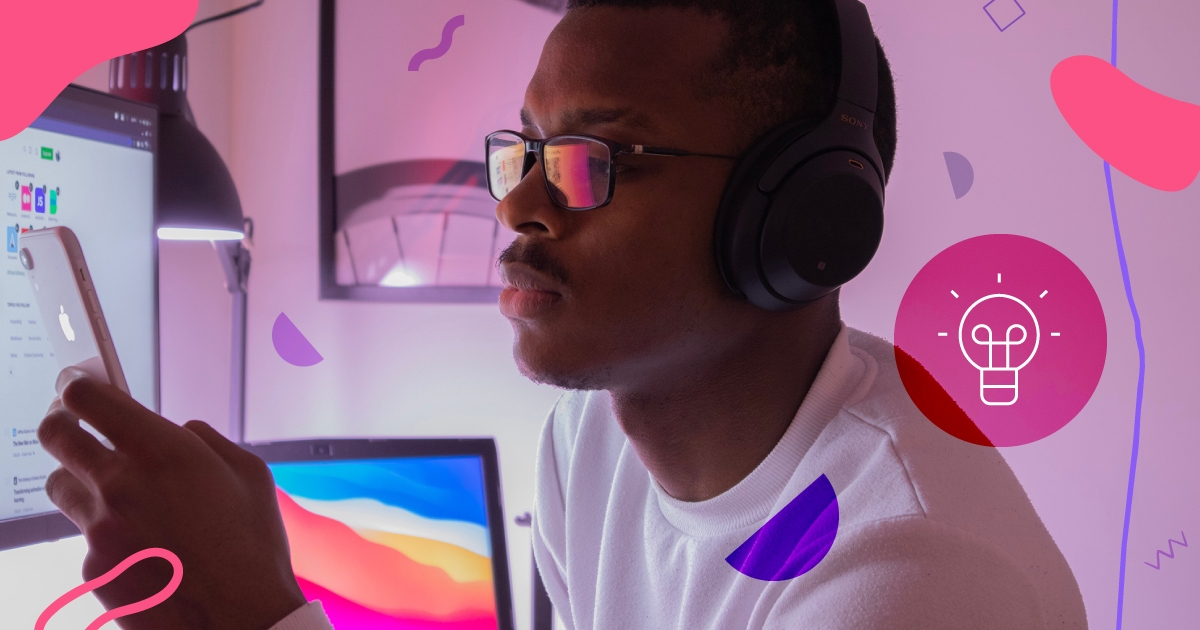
[(694, 416)]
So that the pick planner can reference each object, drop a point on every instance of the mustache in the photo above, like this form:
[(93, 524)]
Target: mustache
[(533, 254)]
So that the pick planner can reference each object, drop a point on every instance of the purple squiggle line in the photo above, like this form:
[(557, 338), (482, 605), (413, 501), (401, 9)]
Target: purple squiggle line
[(1170, 554), (443, 46)]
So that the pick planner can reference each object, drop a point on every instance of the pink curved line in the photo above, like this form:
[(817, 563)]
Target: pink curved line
[(443, 46), (129, 609)]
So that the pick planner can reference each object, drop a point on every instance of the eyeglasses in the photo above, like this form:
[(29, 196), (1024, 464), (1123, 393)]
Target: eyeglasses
[(577, 169)]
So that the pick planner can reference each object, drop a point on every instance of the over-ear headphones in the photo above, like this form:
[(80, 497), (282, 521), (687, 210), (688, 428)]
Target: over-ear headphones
[(802, 213)]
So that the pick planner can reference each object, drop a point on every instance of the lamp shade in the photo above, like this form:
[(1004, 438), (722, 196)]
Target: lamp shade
[(197, 199)]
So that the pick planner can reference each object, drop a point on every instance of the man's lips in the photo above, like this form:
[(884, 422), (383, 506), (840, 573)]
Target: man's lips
[(527, 293), (522, 277)]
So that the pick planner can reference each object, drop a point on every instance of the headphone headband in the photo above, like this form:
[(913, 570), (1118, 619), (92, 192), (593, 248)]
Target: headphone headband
[(859, 82), (803, 211)]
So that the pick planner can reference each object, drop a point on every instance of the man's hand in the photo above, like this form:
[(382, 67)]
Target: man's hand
[(186, 489)]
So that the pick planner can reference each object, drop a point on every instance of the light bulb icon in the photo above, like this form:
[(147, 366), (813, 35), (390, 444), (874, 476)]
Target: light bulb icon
[(996, 337), (1029, 347)]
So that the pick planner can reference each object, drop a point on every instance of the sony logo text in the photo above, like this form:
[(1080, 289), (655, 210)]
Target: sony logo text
[(853, 121)]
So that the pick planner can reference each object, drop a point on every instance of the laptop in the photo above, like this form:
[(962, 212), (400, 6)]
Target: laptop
[(396, 534)]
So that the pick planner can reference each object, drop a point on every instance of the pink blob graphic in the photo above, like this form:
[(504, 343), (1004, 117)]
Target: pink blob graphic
[(1152, 138), (59, 39), (122, 611), (291, 344), (1000, 340)]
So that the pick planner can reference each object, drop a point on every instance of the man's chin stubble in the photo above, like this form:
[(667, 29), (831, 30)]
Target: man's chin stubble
[(588, 380)]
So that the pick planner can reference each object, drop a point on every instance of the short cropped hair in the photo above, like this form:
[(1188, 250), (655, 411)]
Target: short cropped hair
[(781, 62)]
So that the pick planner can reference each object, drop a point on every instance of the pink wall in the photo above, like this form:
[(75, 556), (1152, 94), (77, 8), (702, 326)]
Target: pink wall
[(389, 369), (962, 86)]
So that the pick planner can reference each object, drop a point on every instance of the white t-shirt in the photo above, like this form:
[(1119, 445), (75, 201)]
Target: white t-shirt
[(932, 532)]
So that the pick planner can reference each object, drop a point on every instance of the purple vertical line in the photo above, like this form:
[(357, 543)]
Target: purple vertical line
[(1137, 411), (1113, 55), (1141, 346)]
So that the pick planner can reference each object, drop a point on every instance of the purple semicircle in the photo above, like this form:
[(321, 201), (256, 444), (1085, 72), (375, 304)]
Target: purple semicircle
[(962, 174), (795, 540), (291, 344)]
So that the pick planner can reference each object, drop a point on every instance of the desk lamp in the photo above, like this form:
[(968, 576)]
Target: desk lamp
[(196, 197)]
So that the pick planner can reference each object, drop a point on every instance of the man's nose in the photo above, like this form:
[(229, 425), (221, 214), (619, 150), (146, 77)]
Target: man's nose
[(528, 207)]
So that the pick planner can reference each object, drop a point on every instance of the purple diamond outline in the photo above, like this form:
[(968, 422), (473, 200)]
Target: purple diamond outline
[(1014, 20)]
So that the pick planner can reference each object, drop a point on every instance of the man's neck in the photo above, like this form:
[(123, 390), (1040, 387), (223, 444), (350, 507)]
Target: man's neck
[(706, 427)]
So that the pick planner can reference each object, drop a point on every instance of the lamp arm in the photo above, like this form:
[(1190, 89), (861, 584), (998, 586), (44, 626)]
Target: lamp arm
[(235, 261)]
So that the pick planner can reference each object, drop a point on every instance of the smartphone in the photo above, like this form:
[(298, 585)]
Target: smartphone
[(67, 300)]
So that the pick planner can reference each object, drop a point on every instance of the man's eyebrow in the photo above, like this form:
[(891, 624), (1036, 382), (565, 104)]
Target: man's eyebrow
[(581, 119)]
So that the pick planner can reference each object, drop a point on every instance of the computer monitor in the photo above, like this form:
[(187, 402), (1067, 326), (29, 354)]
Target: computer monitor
[(87, 163), (396, 534)]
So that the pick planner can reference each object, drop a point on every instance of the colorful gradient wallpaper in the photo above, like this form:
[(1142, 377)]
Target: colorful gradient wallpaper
[(391, 544)]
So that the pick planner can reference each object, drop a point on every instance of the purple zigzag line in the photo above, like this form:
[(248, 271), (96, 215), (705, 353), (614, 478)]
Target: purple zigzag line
[(443, 46), (1170, 554)]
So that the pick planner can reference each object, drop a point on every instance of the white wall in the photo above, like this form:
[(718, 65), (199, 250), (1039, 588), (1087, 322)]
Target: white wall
[(389, 369)]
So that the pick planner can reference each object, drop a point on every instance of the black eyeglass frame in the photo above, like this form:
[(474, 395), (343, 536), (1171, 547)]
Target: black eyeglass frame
[(533, 147)]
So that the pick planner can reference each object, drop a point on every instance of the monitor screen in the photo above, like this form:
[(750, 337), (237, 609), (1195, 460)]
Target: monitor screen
[(86, 163), (392, 544)]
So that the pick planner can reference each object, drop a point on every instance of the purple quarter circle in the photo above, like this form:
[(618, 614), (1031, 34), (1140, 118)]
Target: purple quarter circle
[(793, 541), (291, 344)]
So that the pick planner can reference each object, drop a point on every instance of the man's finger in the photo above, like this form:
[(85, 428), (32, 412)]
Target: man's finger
[(71, 496), (76, 449), (56, 405), (233, 454), (124, 421)]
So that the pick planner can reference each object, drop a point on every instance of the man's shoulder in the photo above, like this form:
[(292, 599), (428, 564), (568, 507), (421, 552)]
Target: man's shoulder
[(882, 446), (890, 460)]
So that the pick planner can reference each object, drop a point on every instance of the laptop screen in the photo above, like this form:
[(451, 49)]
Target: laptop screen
[(391, 544)]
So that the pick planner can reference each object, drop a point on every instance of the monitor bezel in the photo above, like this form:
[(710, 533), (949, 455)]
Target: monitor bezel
[(317, 450), (34, 529)]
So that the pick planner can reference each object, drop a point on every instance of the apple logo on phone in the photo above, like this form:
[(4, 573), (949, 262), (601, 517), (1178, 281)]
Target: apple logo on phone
[(64, 320)]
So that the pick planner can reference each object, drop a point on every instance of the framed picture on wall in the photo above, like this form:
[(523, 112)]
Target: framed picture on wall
[(408, 90)]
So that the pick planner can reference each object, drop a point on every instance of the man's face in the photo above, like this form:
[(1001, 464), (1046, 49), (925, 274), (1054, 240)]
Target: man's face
[(629, 293)]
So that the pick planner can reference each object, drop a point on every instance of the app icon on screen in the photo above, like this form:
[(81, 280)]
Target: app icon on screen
[(54, 201), (10, 239), (26, 198), (39, 200)]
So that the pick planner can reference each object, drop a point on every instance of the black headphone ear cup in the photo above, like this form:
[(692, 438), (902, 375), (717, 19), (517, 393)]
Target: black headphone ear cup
[(823, 226), (740, 216)]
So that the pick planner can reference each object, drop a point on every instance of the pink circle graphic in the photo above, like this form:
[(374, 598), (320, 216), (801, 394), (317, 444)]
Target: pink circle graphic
[(1000, 340)]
